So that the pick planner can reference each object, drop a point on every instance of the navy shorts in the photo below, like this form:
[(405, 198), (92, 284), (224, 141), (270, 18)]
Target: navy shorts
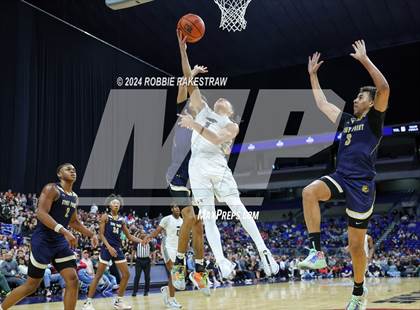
[(105, 257), (44, 252), (358, 193)]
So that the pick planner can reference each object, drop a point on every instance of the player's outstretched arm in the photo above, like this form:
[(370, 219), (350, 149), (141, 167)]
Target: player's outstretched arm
[(130, 236), (224, 135), (186, 88), (196, 103), (329, 109), (48, 195), (77, 225), (153, 234), (381, 84)]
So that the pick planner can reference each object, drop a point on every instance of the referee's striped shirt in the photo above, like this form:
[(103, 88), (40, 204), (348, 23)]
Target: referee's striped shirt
[(143, 250)]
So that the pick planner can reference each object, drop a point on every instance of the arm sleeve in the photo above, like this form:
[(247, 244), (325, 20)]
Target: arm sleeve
[(342, 120), (376, 121)]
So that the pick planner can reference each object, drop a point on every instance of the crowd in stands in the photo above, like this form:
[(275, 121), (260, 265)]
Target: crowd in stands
[(398, 255)]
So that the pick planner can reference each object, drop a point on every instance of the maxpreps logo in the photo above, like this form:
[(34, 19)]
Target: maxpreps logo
[(140, 113)]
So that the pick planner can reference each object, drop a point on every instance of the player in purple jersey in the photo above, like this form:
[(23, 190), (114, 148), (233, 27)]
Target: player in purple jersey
[(178, 178), (110, 229), (51, 241), (354, 176)]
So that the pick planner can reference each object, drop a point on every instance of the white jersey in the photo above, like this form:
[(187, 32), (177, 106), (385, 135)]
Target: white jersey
[(201, 147), (171, 226)]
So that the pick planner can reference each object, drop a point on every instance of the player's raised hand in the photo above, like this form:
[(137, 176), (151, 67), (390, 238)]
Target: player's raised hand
[(359, 50), (198, 70), (145, 240), (71, 239), (94, 241), (185, 120), (182, 40), (112, 251), (314, 63)]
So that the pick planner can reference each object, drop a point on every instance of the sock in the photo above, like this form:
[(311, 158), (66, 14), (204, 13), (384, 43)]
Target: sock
[(315, 239), (199, 267), (358, 289), (88, 300), (180, 255), (180, 259), (199, 261), (247, 222), (171, 299)]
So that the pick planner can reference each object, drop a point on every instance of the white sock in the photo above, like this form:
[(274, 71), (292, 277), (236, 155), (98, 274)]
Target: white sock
[(171, 299), (248, 222), (199, 261)]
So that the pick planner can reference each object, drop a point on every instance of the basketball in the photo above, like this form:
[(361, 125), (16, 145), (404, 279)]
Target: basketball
[(192, 26)]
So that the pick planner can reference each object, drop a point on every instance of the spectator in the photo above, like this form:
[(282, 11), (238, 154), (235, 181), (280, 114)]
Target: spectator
[(52, 276), (9, 268)]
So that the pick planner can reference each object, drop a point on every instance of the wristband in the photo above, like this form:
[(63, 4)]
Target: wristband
[(57, 228)]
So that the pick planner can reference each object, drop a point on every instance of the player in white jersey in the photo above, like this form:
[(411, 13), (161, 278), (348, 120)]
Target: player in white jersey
[(171, 225), (213, 133)]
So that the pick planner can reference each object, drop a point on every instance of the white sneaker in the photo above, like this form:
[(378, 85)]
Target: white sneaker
[(88, 305), (227, 268), (314, 260), (216, 283), (173, 304), (271, 267), (164, 291), (358, 302), (120, 305)]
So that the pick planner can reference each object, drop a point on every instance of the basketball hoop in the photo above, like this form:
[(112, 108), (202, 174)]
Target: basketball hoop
[(233, 14)]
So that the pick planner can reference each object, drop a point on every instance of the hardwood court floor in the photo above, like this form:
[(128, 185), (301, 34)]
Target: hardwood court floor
[(320, 294)]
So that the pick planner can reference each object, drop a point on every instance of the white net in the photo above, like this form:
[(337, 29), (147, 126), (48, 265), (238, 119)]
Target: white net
[(233, 14)]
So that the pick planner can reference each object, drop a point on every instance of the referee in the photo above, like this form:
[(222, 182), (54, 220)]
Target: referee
[(143, 263)]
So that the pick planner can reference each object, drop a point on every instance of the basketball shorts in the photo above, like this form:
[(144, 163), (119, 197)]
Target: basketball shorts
[(44, 252), (209, 179), (169, 253), (105, 257), (359, 195)]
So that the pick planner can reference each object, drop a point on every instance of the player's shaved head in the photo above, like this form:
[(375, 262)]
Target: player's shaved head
[(62, 166)]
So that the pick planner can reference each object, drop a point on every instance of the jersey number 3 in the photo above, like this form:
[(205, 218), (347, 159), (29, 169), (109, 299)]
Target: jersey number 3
[(348, 139)]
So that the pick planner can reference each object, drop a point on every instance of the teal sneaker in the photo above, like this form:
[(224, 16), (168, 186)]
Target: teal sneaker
[(178, 277), (315, 260), (358, 302)]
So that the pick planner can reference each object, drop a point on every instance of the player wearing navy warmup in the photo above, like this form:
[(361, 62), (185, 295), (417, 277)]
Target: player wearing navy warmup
[(110, 229), (52, 242), (355, 173)]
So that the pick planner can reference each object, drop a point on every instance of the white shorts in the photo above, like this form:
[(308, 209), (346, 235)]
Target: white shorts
[(169, 254), (209, 179)]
